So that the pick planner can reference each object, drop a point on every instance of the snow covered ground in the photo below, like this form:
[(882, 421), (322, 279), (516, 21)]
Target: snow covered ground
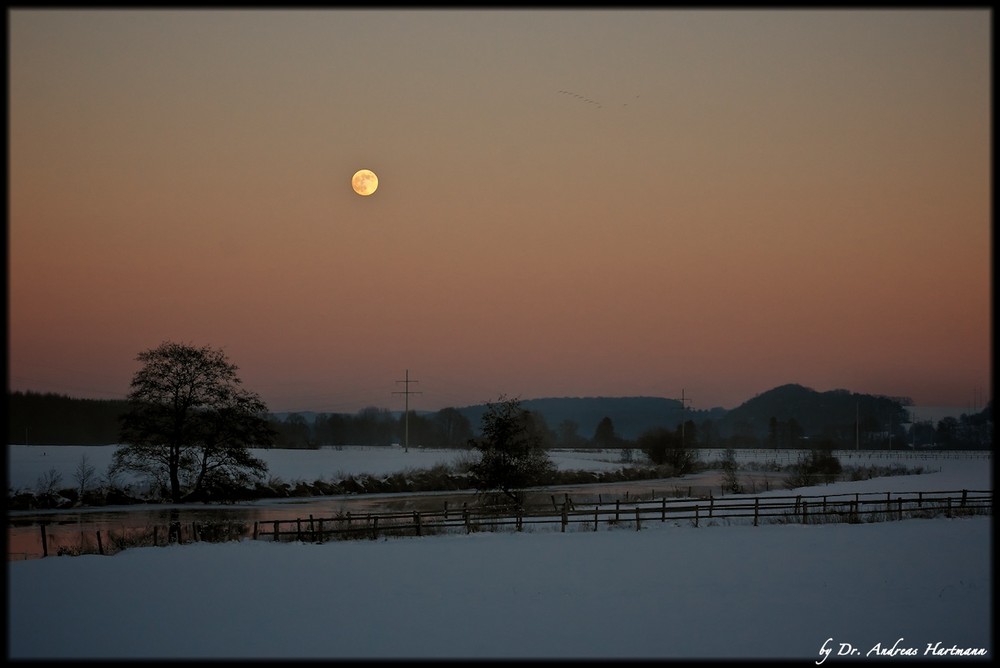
[(668, 592), (27, 464)]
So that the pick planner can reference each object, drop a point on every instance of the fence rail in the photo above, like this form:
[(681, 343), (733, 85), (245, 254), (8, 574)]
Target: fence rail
[(815, 509), (563, 514), (846, 456)]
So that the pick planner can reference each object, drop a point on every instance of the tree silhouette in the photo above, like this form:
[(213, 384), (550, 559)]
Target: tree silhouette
[(604, 434), (189, 423), (511, 452), (664, 446)]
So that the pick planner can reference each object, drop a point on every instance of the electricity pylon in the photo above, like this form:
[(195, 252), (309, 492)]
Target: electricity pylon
[(406, 411), (682, 400)]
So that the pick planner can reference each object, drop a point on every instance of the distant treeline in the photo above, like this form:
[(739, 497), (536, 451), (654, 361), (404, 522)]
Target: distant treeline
[(55, 419), (790, 416), (447, 428)]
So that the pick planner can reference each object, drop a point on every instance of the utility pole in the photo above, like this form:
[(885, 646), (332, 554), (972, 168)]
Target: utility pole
[(890, 430), (857, 425), (406, 411), (682, 400)]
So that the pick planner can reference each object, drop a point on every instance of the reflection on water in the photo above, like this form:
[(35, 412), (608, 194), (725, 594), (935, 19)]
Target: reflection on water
[(71, 528)]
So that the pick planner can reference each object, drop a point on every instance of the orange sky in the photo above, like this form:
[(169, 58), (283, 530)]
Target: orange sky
[(570, 203)]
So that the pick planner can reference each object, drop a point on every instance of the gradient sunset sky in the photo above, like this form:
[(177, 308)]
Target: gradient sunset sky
[(570, 203)]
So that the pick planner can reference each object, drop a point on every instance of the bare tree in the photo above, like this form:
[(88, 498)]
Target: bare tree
[(730, 480), (85, 474), (48, 482), (190, 423)]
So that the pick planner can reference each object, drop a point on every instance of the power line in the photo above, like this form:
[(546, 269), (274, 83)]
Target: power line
[(406, 411), (682, 400)]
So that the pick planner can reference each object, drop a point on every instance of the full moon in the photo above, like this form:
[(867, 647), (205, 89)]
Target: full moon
[(364, 182)]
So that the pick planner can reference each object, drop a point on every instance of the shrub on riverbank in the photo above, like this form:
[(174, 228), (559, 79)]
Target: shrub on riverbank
[(439, 478)]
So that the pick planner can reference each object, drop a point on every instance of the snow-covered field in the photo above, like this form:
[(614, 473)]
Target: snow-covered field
[(27, 464), (670, 591)]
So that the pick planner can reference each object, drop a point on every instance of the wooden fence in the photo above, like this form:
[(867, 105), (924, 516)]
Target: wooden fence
[(112, 542), (563, 514), (854, 508)]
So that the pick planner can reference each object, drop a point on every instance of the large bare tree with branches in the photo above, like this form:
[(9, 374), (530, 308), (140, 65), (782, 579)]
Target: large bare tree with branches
[(190, 423)]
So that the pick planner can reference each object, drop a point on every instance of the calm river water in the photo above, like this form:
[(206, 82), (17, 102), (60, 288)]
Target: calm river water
[(69, 528)]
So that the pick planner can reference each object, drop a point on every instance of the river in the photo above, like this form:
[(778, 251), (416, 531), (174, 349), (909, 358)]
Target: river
[(69, 528)]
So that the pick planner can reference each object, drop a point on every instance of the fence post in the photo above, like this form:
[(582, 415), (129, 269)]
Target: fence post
[(277, 535), (100, 546), (899, 501), (663, 510), (565, 517), (465, 516), (711, 504), (416, 520), (697, 510), (920, 499), (965, 493), (637, 527), (374, 527), (948, 514), (756, 510), (595, 518), (617, 508), (254, 532), (446, 510), (805, 511), (298, 529)]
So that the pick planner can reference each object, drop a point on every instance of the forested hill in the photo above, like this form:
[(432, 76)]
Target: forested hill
[(782, 416), (630, 416), (53, 419), (786, 416)]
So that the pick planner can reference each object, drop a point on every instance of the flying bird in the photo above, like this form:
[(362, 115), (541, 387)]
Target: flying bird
[(583, 98), (580, 97)]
